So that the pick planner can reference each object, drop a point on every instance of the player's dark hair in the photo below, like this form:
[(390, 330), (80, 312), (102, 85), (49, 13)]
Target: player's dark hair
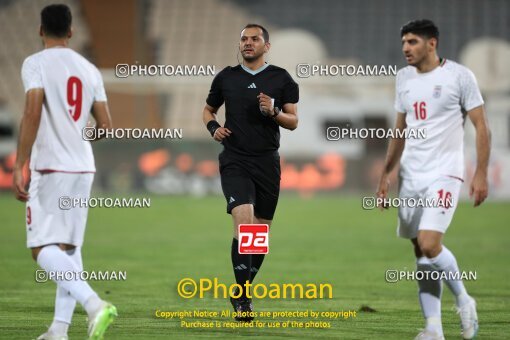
[(56, 20), (265, 33), (424, 28)]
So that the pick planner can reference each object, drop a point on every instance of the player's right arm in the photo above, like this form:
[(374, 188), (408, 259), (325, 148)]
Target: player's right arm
[(101, 113), (215, 129), (213, 102), (34, 98), (395, 149), (27, 134)]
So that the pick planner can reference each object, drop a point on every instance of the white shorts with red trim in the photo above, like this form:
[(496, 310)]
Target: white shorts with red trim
[(437, 217), (46, 222)]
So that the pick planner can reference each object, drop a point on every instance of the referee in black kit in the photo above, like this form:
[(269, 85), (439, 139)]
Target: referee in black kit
[(259, 98)]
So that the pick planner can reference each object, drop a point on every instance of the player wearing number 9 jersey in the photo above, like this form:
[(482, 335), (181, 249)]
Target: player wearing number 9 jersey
[(62, 89), (71, 86), (436, 95)]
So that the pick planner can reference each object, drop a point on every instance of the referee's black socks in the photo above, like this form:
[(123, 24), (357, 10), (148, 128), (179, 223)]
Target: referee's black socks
[(241, 264), (256, 263)]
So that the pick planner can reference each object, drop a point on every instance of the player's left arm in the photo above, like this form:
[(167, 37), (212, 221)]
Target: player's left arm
[(27, 134), (479, 185), (101, 113), (287, 117)]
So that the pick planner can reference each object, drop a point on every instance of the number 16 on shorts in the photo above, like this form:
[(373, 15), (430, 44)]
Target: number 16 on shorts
[(253, 238)]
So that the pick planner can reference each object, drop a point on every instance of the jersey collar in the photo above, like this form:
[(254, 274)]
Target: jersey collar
[(254, 72)]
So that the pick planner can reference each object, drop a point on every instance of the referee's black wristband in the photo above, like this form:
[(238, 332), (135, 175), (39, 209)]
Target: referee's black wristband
[(212, 126)]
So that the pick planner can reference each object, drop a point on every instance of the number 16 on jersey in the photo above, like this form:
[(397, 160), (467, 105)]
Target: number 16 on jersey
[(420, 110)]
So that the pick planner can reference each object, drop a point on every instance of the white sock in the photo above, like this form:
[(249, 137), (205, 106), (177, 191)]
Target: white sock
[(53, 259), (434, 325), (446, 262), (430, 297), (58, 327), (93, 305), (64, 302)]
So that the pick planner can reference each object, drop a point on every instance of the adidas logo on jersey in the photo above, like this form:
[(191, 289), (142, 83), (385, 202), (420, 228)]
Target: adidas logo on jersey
[(252, 86), (231, 200)]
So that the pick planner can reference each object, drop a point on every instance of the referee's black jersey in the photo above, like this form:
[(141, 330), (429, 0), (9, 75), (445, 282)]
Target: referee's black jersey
[(252, 133)]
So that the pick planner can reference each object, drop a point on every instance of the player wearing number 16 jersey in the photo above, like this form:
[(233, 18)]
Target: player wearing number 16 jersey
[(436, 95), (62, 88)]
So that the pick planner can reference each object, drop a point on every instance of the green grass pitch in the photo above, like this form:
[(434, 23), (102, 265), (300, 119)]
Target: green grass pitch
[(326, 239)]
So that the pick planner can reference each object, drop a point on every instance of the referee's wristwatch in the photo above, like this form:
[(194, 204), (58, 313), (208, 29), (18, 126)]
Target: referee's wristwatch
[(276, 111)]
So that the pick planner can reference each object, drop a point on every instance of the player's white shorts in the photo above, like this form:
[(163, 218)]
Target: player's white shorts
[(46, 222), (438, 218)]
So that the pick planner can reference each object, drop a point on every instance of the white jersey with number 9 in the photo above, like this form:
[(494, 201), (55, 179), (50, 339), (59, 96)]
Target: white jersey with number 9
[(71, 85)]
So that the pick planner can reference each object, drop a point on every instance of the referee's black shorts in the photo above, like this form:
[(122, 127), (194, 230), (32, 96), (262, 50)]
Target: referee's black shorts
[(251, 180)]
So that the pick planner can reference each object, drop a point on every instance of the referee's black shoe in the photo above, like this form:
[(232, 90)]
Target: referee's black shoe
[(243, 308)]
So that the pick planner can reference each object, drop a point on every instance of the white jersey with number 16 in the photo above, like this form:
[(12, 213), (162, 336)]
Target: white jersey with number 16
[(436, 101), (71, 85)]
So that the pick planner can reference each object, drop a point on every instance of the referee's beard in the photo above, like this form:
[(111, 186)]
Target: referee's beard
[(252, 58)]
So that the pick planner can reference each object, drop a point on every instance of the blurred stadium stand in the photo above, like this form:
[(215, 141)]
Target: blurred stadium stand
[(368, 30), (19, 36), (117, 39)]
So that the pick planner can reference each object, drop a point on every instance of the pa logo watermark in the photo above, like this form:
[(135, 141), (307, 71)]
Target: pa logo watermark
[(253, 238)]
